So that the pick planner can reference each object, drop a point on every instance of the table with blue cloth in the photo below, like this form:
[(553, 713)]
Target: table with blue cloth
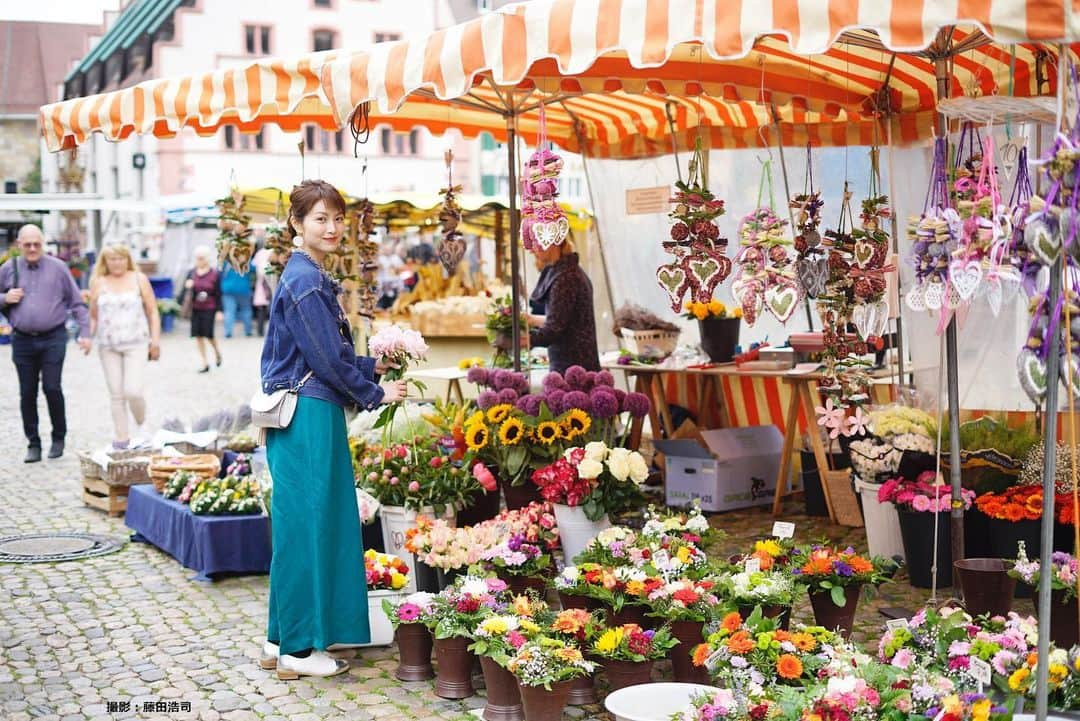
[(206, 544)]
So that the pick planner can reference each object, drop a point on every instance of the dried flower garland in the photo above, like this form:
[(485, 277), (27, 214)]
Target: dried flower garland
[(235, 243), (452, 247)]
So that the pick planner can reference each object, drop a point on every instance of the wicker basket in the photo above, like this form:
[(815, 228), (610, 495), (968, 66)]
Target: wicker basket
[(652, 344), (203, 465), (127, 468), (91, 469), (845, 503)]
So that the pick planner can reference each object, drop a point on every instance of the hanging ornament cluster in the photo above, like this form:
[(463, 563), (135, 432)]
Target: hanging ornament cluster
[(765, 277), (812, 263), (869, 263), (452, 246), (1022, 258), (700, 253), (934, 236), (367, 251), (235, 243), (543, 222), (280, 247)]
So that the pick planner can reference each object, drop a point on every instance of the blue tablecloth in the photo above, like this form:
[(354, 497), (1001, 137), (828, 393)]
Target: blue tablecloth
[(205, 544)]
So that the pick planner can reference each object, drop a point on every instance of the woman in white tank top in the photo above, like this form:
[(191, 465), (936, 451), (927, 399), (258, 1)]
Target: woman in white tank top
[(124, 322)]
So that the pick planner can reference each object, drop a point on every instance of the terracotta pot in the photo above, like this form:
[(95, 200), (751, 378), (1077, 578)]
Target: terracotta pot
[(520, 496), (689, 634), (833, 617), (414, 653), (985, 585), (543, 705), (503, 697), (569, 600), (628, 614), (520, 584), (782, 614), (621, 674), (454, 679), (582, 691)]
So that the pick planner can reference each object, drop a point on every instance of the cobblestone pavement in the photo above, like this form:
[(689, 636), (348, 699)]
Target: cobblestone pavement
[(133, 627)]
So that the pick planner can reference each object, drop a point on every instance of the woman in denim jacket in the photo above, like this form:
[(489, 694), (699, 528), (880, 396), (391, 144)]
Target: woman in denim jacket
[(318, 594)]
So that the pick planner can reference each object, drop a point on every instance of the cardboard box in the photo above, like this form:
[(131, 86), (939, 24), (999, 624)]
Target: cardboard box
[(736, 468)]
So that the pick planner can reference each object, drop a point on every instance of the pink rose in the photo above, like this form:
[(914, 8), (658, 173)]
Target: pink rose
[(484, 477), (414, 487)]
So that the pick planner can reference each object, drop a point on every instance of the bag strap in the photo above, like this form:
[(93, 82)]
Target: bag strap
[(303, 380)]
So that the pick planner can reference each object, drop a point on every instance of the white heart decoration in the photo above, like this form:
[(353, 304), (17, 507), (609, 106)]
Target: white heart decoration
[(915, 300), (934, 295), (781, 300), (1070, 363), (870, 319), (1031, 371), (549, 234), (965, 277), (952, 298), (993, 294)]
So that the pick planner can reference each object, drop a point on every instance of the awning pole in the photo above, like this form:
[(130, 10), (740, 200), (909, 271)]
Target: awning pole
[(515, 225)]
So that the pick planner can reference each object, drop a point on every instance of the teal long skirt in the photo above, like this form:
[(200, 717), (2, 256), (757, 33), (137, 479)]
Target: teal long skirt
[(318, 591)]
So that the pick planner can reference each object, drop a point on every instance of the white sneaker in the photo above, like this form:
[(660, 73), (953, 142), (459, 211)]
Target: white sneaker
[(269, 658), (319, 663)]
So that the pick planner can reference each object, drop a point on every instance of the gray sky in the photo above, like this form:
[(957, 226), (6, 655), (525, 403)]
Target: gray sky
[(61, 11)]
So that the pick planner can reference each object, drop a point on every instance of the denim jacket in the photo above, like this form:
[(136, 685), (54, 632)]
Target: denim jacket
[(309, 331)]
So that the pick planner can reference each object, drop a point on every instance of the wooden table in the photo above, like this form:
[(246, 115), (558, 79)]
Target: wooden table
[(453, 377), (803, 398)]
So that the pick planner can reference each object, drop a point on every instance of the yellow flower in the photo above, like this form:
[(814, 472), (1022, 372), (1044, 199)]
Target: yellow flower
[(683, 554), (477, 417), (547, 432), (980, 710), (495, 626), (570, 655), (737, 312), (701, 311), (770, 547), (522, 606), (1018, 679), (716, 307), (577, 422), (1058, 672), (635, 588), (609, 640), (511, 431), (477, 436), (528, 626), (397, 581), (498, 414)]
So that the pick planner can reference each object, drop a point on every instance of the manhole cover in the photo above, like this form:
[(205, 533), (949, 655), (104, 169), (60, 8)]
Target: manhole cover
[(50, 547)]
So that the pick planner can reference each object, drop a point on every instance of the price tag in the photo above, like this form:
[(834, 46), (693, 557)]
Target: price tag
[(783, 529), (894, 624), (981, 672), (713, 659), (753, 565)]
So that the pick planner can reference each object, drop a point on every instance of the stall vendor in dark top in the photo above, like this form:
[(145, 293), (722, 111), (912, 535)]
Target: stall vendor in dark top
[(568, 327)]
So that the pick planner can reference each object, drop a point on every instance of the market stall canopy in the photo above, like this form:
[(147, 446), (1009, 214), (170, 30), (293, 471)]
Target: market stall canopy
[(607, 69)]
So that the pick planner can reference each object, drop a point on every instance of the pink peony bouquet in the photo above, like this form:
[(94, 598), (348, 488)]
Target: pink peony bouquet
[(398, 346), (921, 495)]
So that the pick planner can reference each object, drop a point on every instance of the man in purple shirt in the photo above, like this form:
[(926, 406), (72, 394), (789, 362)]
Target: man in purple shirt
[(36, 294)]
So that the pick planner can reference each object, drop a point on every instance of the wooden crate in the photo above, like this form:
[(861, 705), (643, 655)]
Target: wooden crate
[(104, 496)]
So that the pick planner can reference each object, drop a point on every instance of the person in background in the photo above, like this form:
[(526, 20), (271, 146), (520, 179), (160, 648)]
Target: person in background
[(202, 284), (317, 600), (236, 297), (389, 283), (260, 298), (36, 294), (568, 327), (124, 321)]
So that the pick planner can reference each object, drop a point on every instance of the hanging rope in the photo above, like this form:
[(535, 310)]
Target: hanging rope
[(360, 127)]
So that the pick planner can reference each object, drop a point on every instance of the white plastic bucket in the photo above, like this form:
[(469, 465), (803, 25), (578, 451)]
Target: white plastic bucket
[(653, 701), (576, 530), (882, 522), (396, 520), (382, 631)]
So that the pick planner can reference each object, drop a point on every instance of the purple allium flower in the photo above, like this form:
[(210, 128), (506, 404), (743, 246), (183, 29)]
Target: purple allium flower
[(620, 396), (486, 400), (577, 399), (637, 404), (479, 376), (575, 377), (589, 382), (498, 379), (556, 401), (529, 405), (554, 381), (508, 395), (604, 378), (604, 404), (521, 383)]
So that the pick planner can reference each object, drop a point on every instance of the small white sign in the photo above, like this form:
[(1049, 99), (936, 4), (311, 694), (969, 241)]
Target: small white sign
[(753, 565), (783, 529), (648, 201), (894, 624), (980, 671)]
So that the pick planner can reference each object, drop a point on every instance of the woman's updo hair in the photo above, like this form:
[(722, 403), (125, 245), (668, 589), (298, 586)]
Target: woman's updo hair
[(305, 196)]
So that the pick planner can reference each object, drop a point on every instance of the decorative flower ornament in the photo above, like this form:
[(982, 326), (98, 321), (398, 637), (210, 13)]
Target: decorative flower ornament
[(543, 222), (452, 248), (766, 276), (235, 243)]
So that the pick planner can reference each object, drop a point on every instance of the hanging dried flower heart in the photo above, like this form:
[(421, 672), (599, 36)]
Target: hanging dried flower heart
[(703, 275), (672, 279), (864, 253), (1041, 241), (813, 273), (748, 293), (451, 251), (1031, 370), (965, 277), (781, 300)]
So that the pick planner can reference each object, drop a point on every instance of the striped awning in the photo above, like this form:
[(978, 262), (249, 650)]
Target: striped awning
[(284, 92), (605, 68)]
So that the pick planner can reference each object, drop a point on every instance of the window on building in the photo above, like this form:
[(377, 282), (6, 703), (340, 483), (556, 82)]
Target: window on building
[(11, 186), (230, 137), (324, 3), (339, 141), (235, 140), (414, 142), (384, 140), (257, 39), (387, 37), (399, 143), (309, 138), (487, 141), (323, 40)]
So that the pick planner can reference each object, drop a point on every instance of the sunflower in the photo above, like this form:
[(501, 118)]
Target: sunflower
[(476, 417), (477, 436), (576, 423), (498, 414), (547, 432), (511, 431)]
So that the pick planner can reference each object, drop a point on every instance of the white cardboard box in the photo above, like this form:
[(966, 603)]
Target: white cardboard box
[(737, 469)]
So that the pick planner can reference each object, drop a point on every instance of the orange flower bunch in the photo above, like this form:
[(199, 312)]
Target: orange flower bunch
[(1018, 503)]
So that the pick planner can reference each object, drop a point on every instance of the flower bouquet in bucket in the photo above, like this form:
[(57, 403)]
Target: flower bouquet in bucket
[(387, 577), (627, 652), (545, 669)]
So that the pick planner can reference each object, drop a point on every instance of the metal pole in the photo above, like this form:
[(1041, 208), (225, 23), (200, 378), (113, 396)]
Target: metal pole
[(899, 299), (515, 225)]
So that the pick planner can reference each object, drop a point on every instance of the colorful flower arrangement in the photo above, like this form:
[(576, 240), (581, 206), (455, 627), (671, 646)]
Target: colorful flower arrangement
[(685, 600), (631, 642), (922, 495), (417, 475), (548, 661), (414, 608), (725, 705), (614, 587), (711, 309), (500, 636), (459, 609), (764, 588), (691, 525), (1014, 504), (441, 545), (517, 557), (1063, 578), (828, 570), (599, 479), (384, 571)]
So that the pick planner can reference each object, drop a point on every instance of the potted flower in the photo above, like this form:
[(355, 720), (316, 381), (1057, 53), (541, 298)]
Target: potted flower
[(408, 616), (1064, 629), (520, 563), (773, 591), (622, 589), (834, 579), (499, 326), (572, 625), (687, 605), (458, 610), (723, 704), (1013, 517), (496, 640), (545, 669), (168, 309), (921, 505), (387, 577), (587, 485), (627, 652), (690, 525), (718, 326)]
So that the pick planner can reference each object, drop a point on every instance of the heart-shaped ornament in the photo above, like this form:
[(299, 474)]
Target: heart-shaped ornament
[(1044, 244), (915, 299), (864, 253), (703, 274), (952, 298), (1031, 370), (1070, 363), (547, 235), (934, 295), (813, 273), (870, 319), (993, 294), (750, 298), (672, 279), (781, 301), (965, 277), (451, 251)]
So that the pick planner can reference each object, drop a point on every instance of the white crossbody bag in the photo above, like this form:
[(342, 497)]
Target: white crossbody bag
[(275, 410)]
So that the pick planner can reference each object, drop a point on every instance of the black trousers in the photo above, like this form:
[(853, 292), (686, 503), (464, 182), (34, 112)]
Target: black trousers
[(40, 360)]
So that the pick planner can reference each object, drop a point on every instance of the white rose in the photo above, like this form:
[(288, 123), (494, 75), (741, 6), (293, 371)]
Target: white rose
[(639, 469), (697, 524), (618, 463), (589, 469), (596, 451)]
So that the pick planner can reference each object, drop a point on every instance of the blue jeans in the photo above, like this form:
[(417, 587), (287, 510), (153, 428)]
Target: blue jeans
[(40, 360), (234, 306)]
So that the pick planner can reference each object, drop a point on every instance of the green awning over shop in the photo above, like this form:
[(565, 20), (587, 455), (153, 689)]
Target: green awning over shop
[(141, 18)]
